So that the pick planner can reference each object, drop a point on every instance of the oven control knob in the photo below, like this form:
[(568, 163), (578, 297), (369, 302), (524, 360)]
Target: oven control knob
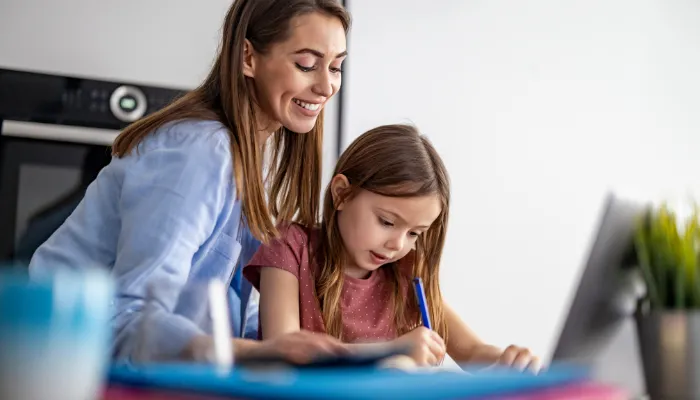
[(128, 103)]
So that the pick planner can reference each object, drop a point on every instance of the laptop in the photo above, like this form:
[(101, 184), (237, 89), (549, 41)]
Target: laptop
[(599, 331)]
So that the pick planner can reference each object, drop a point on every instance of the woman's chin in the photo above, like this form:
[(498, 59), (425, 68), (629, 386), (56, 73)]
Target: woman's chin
[(299, 123), (300, 127)]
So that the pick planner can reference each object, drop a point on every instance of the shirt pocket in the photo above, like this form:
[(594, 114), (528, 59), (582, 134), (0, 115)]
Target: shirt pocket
[(224, 257)]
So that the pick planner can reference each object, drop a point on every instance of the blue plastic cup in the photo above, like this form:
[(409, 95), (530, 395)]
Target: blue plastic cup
[(54, 334)]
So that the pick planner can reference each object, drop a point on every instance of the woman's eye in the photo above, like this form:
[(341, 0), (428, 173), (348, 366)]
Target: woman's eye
[(336, 70), (414, 234), (303, 68)]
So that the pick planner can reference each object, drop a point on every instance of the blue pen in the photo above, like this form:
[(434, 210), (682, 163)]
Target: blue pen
[(422, 302)]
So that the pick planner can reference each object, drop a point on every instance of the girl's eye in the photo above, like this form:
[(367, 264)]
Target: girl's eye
[(337, 70), (414, 234), (385, 222), (303, 68)]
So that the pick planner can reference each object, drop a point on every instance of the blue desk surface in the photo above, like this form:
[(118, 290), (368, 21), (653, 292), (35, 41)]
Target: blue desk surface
[(343, 383)]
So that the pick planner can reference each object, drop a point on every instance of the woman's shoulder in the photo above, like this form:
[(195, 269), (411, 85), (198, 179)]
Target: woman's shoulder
[(189, 135), (190, 158)]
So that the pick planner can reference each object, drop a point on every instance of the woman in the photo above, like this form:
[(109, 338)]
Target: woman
[(183, 198)]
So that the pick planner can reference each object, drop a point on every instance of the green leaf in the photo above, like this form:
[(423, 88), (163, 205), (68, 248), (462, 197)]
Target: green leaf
[(679, 289), (658, 258), (668, 256), (643, 256), (694, 267)]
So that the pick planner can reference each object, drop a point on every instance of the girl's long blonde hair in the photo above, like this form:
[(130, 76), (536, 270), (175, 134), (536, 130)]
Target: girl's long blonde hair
[(226, 95), (390, 160)]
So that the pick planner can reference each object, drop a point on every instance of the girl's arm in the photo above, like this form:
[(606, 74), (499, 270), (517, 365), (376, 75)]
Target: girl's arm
[(280, 323), (275, 271), (464, 346), (279, 302)]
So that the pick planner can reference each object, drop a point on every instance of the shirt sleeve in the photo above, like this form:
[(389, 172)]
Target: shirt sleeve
[(247, 328), (170, 202), (283, 252)]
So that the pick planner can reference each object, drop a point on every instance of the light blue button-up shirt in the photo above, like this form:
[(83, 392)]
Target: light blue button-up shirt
[(160, 218)]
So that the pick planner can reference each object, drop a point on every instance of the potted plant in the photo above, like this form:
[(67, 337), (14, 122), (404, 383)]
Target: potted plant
[(668, 316)]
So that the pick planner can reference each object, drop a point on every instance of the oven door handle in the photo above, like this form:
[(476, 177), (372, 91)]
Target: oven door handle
[(60, 133)]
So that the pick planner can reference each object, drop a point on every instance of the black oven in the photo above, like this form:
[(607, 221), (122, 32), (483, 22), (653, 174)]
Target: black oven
[(55, 137)]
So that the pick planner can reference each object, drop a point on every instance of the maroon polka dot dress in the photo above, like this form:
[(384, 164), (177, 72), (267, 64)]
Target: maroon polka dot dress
[(367, 315)]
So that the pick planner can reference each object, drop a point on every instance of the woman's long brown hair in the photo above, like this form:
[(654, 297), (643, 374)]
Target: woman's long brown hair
[(390, 160), (226, 95)]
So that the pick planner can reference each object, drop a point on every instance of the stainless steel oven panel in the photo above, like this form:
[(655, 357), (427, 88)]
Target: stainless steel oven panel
[(75, 134)]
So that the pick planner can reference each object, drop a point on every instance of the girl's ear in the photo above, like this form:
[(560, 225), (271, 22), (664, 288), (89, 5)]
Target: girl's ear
[(339, 185)]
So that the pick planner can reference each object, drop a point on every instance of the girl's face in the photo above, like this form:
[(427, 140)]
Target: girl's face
[(295, 79), (377, 229)]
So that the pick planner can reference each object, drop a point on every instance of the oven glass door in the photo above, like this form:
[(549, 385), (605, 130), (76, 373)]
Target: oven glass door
[(41, 183)]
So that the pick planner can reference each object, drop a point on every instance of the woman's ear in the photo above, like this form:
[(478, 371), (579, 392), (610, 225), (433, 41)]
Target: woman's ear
[(248, 59), (339, 185)]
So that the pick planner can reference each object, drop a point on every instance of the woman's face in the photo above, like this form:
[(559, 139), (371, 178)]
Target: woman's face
[(295, 79)]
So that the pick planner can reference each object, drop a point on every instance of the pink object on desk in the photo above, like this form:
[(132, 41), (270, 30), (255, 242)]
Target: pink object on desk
[(133, 393), (584, 391)]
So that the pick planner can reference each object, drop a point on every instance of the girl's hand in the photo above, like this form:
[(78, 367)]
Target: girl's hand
[(400, 362), (520, 358), (427, 347)]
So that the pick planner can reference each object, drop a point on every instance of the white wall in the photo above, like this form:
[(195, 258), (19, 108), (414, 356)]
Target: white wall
[(169, 43), (537, 108), (160, 42)]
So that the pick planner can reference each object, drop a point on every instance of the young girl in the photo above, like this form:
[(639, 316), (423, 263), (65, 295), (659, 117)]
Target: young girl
[(384, 222)]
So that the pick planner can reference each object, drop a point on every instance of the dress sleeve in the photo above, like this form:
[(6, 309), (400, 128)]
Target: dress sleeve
[(283, 252)]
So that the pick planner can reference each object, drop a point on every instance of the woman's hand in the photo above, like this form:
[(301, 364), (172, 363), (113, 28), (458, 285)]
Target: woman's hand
[(427, 347), (300, 347)]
